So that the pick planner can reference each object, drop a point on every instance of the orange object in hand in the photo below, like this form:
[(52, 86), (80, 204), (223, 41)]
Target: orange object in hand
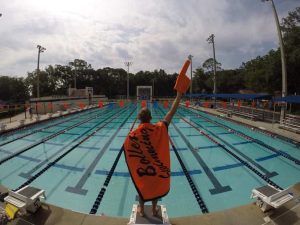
[(183, 82)]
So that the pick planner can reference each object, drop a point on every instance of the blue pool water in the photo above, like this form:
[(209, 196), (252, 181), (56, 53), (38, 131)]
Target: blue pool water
[(84, 147)]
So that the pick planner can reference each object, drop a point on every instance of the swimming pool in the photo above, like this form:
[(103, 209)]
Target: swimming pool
[(215, 163)]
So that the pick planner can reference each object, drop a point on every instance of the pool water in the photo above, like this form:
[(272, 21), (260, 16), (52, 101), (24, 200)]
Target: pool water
[(79, 150)]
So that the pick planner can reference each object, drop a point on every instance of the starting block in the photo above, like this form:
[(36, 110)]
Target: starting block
[(269, 197), (148, 218), (27, 199)]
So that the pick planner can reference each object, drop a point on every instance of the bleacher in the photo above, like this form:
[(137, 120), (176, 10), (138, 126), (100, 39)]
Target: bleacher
[(249, 113), (291, 123)]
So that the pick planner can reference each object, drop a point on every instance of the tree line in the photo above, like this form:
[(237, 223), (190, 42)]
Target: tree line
[(261, 75)]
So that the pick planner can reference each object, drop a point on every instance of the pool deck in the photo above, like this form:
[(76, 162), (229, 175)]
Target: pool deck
[(249, 214), (271, 127), (16, 119)]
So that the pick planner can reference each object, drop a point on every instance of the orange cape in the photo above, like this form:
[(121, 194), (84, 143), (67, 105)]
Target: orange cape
[(147, 156)]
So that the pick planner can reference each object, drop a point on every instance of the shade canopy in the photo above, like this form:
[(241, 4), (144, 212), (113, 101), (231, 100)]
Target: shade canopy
[(289, 99)]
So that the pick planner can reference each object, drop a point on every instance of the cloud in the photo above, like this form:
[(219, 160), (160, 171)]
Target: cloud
[(153, 34)]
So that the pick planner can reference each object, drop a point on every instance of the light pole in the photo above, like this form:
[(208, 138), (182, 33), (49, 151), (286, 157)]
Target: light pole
[(211, 40), (40, 49), (153, 80), (190, 57), (283, 61), (128, 64)]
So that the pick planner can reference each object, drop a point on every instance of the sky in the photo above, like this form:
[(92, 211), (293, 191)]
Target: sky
[(153, 34)]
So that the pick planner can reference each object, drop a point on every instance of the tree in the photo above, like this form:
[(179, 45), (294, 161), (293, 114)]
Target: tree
[(13, 89), (291, 36), (201, 81), (209, 65)]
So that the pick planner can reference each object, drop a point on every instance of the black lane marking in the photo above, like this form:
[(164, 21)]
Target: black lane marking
[(218, 188), (46, 139), (50, 164), (44, 128), (247, 137), (78, 188), (195, 191), (28, 174), (264, 170), (99, 198), (264, 177)]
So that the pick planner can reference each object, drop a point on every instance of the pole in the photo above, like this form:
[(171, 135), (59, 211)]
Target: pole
[(128, 64), (38, 73), (75, 82), (153, 87), (40, 49), (215, 69), (190, 57), (283, 60)]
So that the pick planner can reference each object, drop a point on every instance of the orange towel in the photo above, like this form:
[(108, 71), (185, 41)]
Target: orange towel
[(183, 82), (147, 156)]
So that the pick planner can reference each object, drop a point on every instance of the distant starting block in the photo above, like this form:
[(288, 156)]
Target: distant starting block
[(27, 199), (268, 197), (148, 219)]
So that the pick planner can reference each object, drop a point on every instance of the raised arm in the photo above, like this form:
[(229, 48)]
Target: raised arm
[(173, 109)]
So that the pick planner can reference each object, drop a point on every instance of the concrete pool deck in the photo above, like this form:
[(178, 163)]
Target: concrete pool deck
[(249, 214), (15, 124)]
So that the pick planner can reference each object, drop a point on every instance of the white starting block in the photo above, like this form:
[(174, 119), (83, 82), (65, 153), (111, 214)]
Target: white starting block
[(269, 197), (148, 218), (27, 199)]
